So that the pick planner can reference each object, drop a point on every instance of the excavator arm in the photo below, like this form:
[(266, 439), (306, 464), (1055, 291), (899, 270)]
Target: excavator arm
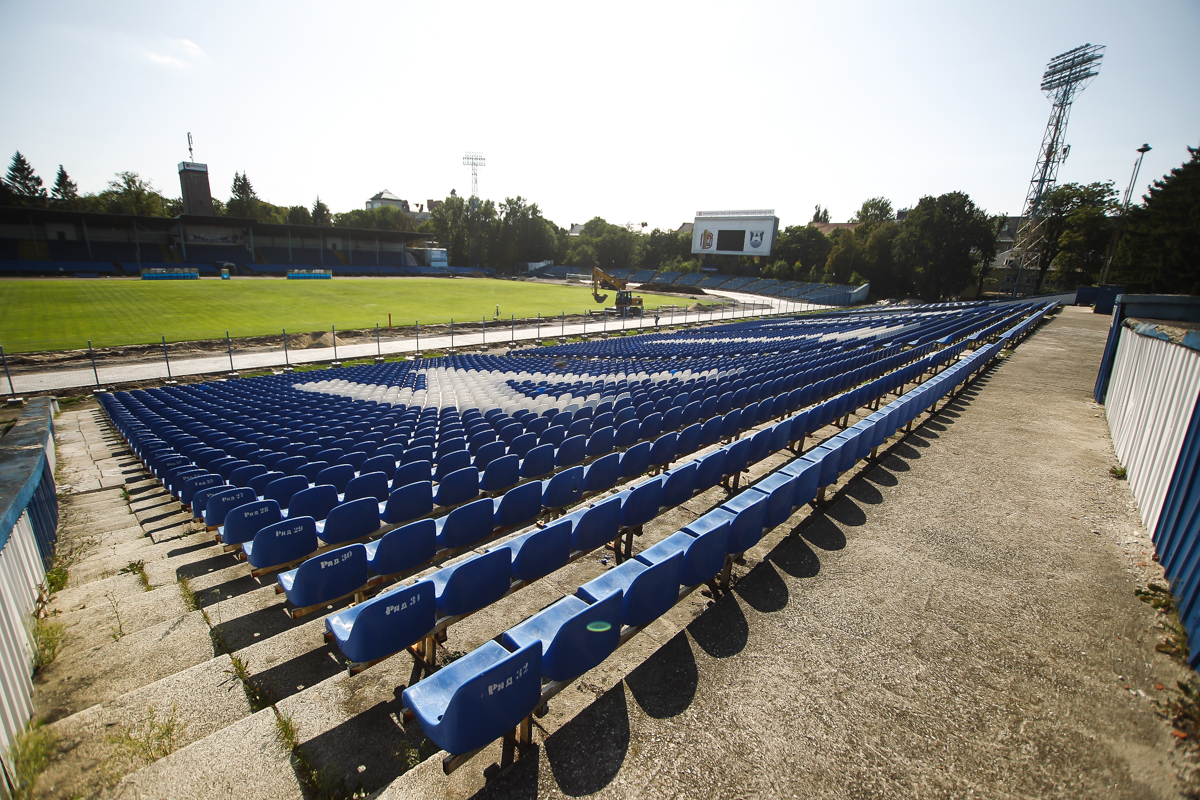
[(602, 280)]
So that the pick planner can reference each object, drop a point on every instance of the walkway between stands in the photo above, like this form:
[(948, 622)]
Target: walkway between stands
[(961, 619)]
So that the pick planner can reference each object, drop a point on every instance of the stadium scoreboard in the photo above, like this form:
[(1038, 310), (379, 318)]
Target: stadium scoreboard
[(735, 233)]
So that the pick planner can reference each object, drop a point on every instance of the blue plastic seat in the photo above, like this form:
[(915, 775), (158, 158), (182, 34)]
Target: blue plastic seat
[(282, 489), (780, 488), (326, 578), (580, 427), (385, 624), (481, 438), (200, 499), (691, 414), (518, 506), (521, 445), (538, 425), (635, 460), (563, 489), (370, 484), (624, 415), (703, 555), (710, 431), (315, 502), (479, 697), (338, 475), (290, 465), (312, 469), (448, 446), (603, 473), (651, 426), (195, 483), (672, 419), (601, 442), (355, 459), (488, 453), (759, 448), (779, 435), (413, 472), (472, 584), (678, 485), (731, 423), (465, 525), (737, 457), (385, 463), (746, 529), (648, 591), (409, 502), (571, 451), (628, 434), (606, 420), (451, 462), (416, 453), (501, 474), (332, 454), (640, 504), (282, 543), (242, 522), (749, 417), (223, 501), (403, 549), (570, 647), (538, 462), (457, 488), (540, 552), (664, 449), (554, 435), (689, 440)]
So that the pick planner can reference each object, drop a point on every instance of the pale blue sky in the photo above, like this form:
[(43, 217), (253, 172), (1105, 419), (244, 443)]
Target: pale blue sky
[(642, 112)]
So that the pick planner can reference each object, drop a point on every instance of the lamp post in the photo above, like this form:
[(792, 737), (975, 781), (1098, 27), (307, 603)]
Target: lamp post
[(1112, 248)]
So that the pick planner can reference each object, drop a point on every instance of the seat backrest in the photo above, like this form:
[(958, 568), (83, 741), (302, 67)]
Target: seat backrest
[(710, 431), (417, 453), (474, 583), (466, 524), (652, 593), (205, 480), (488, 453), (642, 503), (651, 427), (370, 484), (333, 574), (355, 459), (291, 465), (351, 520), (404, 548), (458, 487), (664, 448), (414, 472), (282, 489), (538, 462), (601, 442), (316, 502), (242, 475), (385, 463), (540, 552), (635, 460), (521, 445), (385, 624), (689, 439), (554, 435), (519, 506), (736, 456), (409, 502), (760, 446), (564, 488), (243, 522), (338, 475), (603, 473), (710, 469), (502, 473), (571, 451), (312, 469), (451, 462), (283, 542), (750, 510), (628, 433), (220, 503), (672, 418), (678, 485)]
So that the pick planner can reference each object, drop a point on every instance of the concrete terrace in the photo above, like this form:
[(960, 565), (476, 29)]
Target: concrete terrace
[(959, 619)]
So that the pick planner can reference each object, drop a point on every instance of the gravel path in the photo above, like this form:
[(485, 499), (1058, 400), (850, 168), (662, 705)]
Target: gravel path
[(961, 622)]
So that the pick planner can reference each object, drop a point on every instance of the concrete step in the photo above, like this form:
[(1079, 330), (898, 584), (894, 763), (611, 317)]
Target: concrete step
[(95, 746), (88, 623)]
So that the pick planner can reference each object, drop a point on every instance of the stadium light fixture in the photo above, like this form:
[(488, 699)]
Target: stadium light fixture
[(474, 161), (1112, 248)]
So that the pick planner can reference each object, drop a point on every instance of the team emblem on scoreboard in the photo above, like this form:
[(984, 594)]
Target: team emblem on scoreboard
[(706, 240), (756, 238)]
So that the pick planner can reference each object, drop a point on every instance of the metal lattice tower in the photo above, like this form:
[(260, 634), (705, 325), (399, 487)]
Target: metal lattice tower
[(1066, 75), (474, 161)]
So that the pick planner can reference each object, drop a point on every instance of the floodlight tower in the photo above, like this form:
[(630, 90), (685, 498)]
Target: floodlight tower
[(474, 161), (1066, 75)]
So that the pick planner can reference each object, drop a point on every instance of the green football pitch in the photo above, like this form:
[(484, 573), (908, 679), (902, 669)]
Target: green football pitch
[(65, 314)]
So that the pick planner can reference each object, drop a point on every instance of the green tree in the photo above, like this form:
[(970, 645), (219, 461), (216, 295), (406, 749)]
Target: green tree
[(805, 248), (661, 248), (522, 234), (820, 214), (65, 191), (466, 228), (383, 218), (243, 200), (845, 257), (298, 215), (604, 245), (1160, 249), (940, 243), (24, 182), (888, 276), (1076, 214), (877, 209), (320, 213), (128, 193)]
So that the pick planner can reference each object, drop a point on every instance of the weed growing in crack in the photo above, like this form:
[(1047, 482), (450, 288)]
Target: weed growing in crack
[(48, 641), (190, 601), (258, 696), (119, 630), (137, 568), (318, 783), (142, 743), (29, 754), (1117, 472)]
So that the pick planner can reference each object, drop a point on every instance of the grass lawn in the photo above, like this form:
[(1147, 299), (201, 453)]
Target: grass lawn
[(65, 314)]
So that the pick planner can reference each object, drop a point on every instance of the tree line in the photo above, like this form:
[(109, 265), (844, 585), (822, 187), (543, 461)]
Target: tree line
[(936, 250)]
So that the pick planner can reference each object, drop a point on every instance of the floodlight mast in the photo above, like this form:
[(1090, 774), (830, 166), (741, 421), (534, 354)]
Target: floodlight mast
[(474, 161), (1066, 75)]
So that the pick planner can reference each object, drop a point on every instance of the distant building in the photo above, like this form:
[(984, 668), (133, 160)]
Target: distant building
[(575, 229), (193, 182), (686, 227), (386, 198), (829, 227)]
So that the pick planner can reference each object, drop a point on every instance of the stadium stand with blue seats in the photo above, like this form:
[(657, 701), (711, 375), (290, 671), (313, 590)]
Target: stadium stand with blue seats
[(410, 446)]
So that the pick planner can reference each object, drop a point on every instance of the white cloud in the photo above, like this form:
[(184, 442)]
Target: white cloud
[(165, 61), (188, 46)]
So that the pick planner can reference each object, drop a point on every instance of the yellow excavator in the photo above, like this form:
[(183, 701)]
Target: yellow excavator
[(625, 298)]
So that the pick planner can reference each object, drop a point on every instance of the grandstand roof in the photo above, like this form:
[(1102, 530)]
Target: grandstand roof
[(25, 216)]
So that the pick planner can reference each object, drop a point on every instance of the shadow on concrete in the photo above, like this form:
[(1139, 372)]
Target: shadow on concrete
[(763, 589), (240, 631), (586, 754), (822, 533), (293, 675), (722, 630), (846, 512), (794, 556), (664, 685), (201, 544), (206, 565)]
